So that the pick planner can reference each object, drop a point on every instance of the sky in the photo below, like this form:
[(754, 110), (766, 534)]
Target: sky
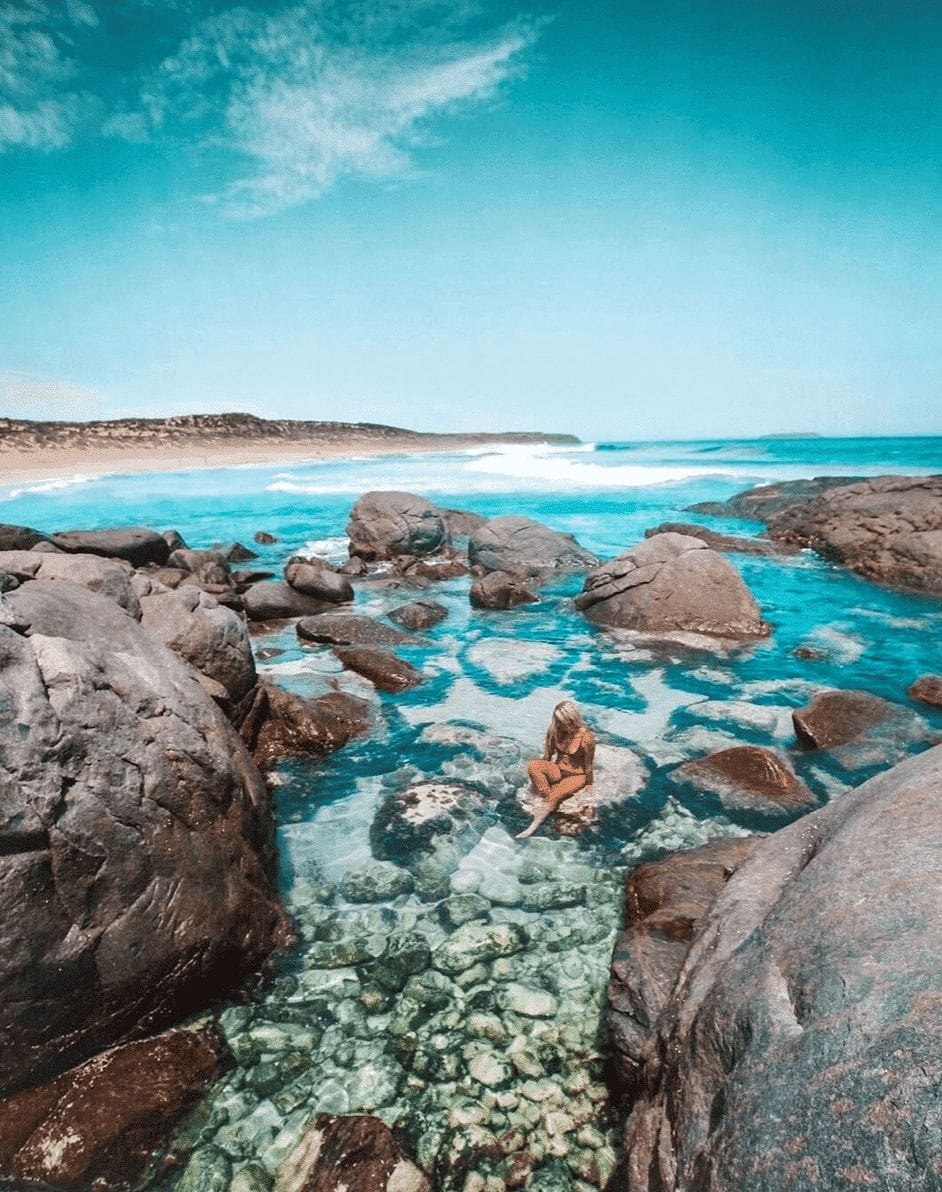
[(624, 219)]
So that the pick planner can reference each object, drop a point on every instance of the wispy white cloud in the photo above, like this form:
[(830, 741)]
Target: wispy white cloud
[(319, 92), (26, 395), (300, 94)]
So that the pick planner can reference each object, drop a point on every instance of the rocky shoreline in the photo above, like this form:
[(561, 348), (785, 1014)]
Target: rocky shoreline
[(451, 987)]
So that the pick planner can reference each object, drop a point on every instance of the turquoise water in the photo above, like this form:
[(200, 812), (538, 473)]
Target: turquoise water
[(453, 1060)]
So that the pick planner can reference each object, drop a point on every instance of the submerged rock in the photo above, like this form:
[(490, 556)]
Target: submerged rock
[(136, 546), (835, 718), (475, 942), (263, 538), (98, 1124), (729, 543), (349, 1154), (521, 546), (411, 822), (803, 1044), (385, 524), (136, 833), (383, 668), (672, 583), (376, 883), (747, 778), (500, 590)]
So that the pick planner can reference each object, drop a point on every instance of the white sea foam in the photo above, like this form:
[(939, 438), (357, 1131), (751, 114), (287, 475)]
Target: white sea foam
[(332, 549), (51, 486), (546, 464)]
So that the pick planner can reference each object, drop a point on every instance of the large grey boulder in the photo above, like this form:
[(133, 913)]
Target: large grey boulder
[(525, 547), (385, 524), (668, 584), (211, 638), (801, 1045), (136, 836), (319, 581), (136, 546), (274, 600), (110, 579), (19, 537)]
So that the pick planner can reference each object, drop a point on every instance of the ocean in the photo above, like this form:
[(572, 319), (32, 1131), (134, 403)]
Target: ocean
[(463, 1060)]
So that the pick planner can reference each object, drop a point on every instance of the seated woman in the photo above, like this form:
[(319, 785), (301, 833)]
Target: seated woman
[(566, 764)]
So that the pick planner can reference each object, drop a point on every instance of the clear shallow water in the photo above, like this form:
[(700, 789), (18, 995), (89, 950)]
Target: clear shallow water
[(502, 1057)]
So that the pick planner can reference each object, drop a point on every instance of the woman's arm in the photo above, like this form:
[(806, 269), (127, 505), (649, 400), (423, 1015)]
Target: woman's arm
[(589, 758), (549, 744)]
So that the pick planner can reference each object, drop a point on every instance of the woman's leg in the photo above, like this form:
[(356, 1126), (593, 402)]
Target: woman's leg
[(558, 792), (543, 774)]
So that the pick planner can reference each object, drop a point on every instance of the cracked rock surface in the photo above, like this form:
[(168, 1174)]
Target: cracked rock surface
[(137, 844), (523, 547), (385, 524), (672, 583), (801, 1044)]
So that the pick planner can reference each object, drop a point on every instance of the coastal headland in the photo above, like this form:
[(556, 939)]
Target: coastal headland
[(31, 450)]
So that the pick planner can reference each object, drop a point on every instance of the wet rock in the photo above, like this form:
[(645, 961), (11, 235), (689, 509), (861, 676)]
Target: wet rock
[(927, 690), (811, 653), (788, 1054), (274, 600), (174, 540), (835, 718), (672, 583), (463, 908), (355, 567), (460, 523), (747, 778), (728, 543), (19, 537), (385, 524), (475, 942), (88, 571), (500, 590), (378, 882), (383, 668), (320, 582), (619, 775), (137, 840), (263, 538), (253, 1178), (349, 629), (185, 559), (99, 1124), (349, 1154), (665, 904), (211, 638), (136, 546), (406, 955), (521, 546), (489, 1069), (419, 615), (887, 529), (277, 724), (209, 1170)]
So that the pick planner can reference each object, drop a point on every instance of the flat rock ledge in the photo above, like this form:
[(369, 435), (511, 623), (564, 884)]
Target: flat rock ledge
[(798, 1043)]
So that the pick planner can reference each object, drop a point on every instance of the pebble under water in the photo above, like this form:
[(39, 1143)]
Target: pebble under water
[(453, 982)]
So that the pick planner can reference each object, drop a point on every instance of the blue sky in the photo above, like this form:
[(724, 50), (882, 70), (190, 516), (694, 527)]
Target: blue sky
[(624, 219)]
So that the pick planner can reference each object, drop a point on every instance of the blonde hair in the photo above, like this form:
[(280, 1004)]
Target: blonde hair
[(566, 722)]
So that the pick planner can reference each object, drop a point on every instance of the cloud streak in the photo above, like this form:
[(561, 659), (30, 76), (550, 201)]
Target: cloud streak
[(297, 96)]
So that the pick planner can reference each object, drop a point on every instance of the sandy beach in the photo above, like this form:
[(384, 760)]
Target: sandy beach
[(32, 452)]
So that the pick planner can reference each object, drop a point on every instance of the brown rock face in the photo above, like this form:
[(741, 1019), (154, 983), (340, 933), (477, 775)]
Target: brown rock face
[(382, 667), (802, 1043), (277, 724), (767, 501), (319, 581), (521, 546), (668, 584), (349, 1154), (385, 524), (500, 590), (927, 690), (748, 778), (97, 1125), (274, 600), (19, 537), (665, 903), (263, 538), (349, 629), (135, 831), (888, 529), (837, 717)]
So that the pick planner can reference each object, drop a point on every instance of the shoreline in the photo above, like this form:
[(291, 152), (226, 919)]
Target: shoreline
[(20, 466)]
